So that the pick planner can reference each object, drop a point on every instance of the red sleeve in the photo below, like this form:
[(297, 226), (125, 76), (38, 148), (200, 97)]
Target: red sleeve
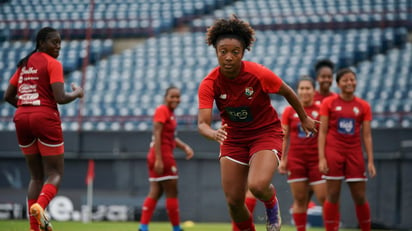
[(161, 114), (368, 111), (205, 94), (15, 78), (325, 105), (271, 83), (285, 116), (55, 70)]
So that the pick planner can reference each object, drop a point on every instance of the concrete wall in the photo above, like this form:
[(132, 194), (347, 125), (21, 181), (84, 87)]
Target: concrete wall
[(121, 176)]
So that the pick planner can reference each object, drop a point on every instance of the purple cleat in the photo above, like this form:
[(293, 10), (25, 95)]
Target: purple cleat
[(273, 219)]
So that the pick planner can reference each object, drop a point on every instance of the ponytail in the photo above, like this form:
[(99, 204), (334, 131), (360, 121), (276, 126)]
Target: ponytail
[(24, 60)]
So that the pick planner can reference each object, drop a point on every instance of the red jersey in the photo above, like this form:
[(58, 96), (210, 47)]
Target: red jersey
[(345, 121), (318, 98), (165, 116), (34, 80), (297, 136), (243, 102)]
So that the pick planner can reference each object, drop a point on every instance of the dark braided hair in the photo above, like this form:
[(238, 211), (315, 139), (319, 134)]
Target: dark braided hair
[(230, 28), (41, 36)]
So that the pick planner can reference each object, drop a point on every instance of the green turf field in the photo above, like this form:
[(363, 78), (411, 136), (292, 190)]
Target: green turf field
[(22, 225)]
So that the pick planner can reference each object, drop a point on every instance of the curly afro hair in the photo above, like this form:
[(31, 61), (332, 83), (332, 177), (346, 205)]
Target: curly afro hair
[(230, 28), (324, 63)]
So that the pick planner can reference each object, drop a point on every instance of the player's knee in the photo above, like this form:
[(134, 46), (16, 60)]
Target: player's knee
[(301, 200), (301, 205), (333, 196), (54, 177), (321, 199), (258, 190), (359, 198), (235, 202)]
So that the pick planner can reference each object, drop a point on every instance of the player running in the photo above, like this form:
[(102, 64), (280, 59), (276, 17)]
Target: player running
[(251, 136)]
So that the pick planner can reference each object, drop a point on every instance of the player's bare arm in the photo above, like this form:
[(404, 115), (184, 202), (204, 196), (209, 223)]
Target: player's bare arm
[(11, 95), (204, 121)]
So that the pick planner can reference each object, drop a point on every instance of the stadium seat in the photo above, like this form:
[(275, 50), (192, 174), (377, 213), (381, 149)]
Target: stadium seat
[(289, 40)]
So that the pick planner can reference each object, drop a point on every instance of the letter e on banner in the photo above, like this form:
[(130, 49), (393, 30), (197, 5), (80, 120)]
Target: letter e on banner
[(61, 208)]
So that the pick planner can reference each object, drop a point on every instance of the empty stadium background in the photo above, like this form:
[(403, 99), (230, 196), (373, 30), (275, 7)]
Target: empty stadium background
[(125, 53)]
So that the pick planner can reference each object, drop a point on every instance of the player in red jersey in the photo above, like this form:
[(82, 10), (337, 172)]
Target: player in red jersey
[(324, 77), (345, 121), (35, 89), (161, 162), (300, 155), (251, 136)]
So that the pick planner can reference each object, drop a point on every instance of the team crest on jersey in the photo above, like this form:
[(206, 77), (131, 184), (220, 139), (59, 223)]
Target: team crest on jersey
[(338, 108), (223, 96), (315, 114), (356, 110), (249, 91)]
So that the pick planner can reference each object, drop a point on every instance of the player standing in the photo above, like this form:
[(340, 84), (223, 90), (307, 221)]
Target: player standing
[(251, 135), (161, 162), (35, 89), (345, 121), (324, 78), (300, 155)]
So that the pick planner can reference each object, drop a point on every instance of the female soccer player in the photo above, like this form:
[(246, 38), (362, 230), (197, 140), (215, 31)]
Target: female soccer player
[(35, 89), (300, 155), (161, 163), (251, 136), (324, 77), (345, 121)]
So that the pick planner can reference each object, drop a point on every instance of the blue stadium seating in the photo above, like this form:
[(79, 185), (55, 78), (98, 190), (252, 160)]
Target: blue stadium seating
[(124, 82), (298, 14), (71, 54), (123, 89), (114, 18)]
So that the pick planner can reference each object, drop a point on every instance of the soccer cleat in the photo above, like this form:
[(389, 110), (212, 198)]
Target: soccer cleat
[(37, 211), (273, 219)]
